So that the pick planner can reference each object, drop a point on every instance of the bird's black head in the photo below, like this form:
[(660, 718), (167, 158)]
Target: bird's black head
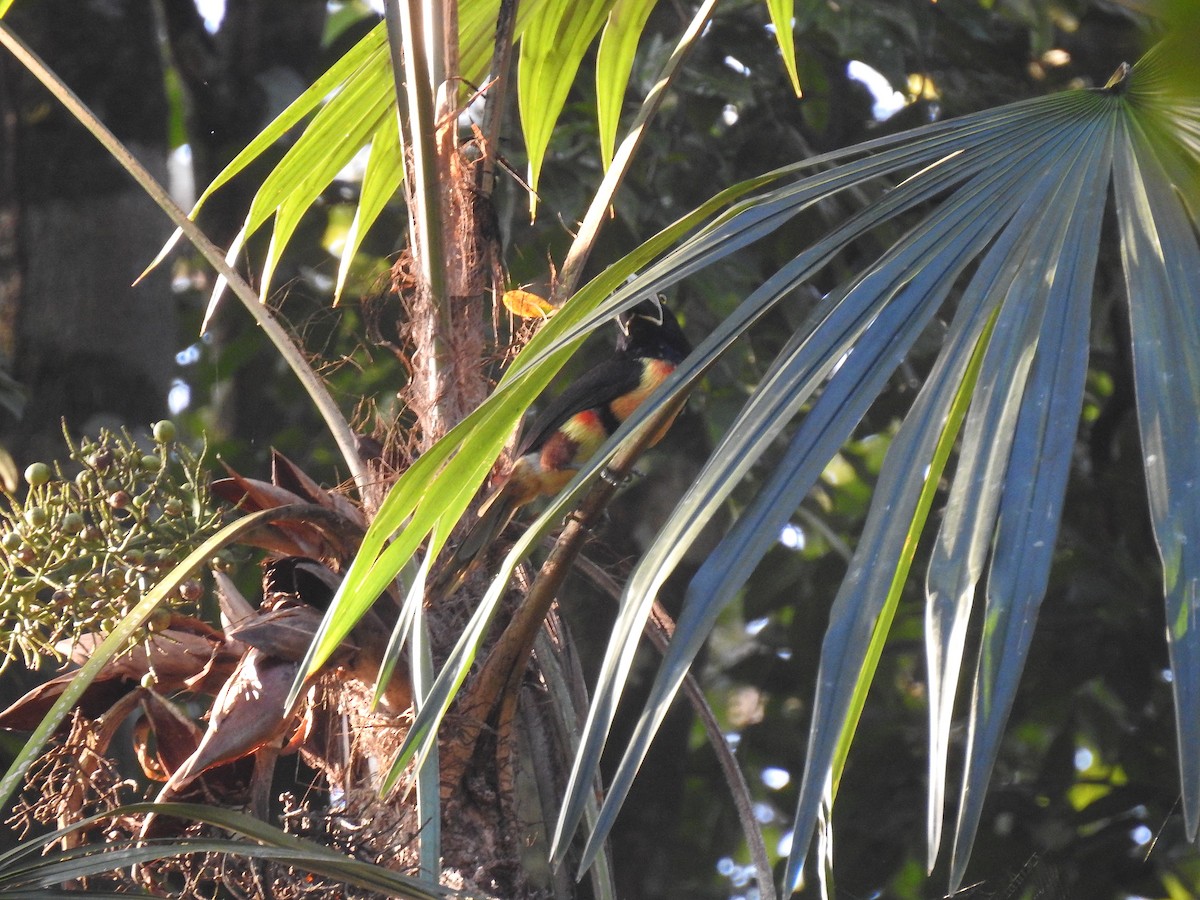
[(650, 330)]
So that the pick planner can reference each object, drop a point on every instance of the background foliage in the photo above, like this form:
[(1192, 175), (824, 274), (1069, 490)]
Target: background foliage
[(1083, 801)]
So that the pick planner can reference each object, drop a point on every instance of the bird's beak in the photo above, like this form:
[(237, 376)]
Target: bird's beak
[(658, 308)]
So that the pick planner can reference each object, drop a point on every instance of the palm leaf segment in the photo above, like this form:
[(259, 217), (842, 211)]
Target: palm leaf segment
[(1018, 193), (353, 105)]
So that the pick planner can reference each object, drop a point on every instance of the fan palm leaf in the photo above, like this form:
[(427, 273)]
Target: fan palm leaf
[(1020, 193)]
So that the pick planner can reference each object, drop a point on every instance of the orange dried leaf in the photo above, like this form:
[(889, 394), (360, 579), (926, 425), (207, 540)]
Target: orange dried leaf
[(528, 306)]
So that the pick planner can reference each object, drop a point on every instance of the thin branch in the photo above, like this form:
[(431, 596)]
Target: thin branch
[(497, 95), (334, 420)]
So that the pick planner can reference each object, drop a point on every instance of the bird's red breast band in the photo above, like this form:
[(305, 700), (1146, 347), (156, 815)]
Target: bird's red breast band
[(654, 373)]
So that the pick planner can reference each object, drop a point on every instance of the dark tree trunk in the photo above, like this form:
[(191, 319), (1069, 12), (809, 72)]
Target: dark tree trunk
[(263, 55), (75, 231)]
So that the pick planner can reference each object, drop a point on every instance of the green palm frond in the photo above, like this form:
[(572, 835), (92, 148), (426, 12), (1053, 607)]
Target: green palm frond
[(1019, 194), (353, 106), (35, 869), (614, 62)]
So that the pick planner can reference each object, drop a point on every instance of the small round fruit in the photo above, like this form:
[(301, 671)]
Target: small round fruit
[(11, 541), (160, 620), (101, 459), (164, 431), (37, 474), (73, 523), (191, 590), (36, 516), (151, 463)]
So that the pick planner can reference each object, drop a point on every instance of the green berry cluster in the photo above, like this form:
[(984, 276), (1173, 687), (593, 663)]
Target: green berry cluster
[(88, 540)]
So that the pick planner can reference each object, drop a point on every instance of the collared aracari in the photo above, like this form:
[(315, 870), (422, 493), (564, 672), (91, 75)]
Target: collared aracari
[(576, 423)]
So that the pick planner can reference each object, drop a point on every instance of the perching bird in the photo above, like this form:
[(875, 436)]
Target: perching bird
[(577, 422)]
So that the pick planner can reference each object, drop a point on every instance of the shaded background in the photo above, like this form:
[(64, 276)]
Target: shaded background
[(1083, 800)]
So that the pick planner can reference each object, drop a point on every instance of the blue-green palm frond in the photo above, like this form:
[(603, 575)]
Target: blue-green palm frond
[(1012, 202)]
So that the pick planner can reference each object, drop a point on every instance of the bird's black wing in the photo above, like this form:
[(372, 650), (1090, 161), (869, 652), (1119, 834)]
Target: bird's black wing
[(596, 387)]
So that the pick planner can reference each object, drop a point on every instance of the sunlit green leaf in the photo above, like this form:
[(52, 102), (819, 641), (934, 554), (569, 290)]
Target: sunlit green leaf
[(1037, 171), (552, 48), (381, 180), (477, 33), (782, 16), (1033, 487), (614, 61), (833, 326), (362, 62), (336, 134)]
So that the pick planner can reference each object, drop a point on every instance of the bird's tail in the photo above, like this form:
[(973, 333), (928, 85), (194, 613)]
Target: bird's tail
[(496, 513)]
